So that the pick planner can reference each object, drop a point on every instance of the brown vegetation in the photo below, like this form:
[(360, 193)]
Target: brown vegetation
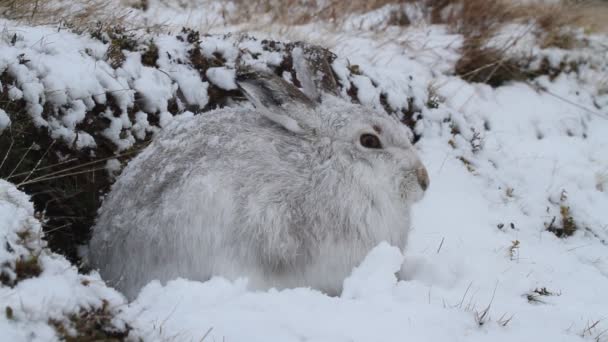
[(297, 12), (479, 21), (93, 324), (76, 14)]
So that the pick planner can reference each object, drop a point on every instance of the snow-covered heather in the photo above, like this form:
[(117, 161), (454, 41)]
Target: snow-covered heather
[(505, 165), (33, 305), (63, 77)]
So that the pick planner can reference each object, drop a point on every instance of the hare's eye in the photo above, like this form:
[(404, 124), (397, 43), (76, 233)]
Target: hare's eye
[(370, 141)]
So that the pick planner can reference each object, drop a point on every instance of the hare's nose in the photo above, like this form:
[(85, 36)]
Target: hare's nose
[(423, 177)]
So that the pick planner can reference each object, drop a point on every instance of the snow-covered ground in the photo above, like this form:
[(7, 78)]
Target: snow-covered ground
[(36, 300), (506, 165)]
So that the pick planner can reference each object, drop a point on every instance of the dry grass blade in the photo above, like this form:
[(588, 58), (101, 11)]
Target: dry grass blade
[(481, 21), (21, 160), (588, 331), (295, 12), (206, 334), (39, 161), (63, 171), (78, 14), (464, 295), (481, 317), (8, 152), (67, 161), (504, 321), (44, 179)]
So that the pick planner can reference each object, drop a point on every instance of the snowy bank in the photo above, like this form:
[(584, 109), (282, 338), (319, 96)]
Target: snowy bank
[(43, 297)]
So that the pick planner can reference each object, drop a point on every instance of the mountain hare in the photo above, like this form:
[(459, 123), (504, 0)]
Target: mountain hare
[(288, 194)]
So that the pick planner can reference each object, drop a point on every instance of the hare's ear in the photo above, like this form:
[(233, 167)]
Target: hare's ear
[(278, 100)]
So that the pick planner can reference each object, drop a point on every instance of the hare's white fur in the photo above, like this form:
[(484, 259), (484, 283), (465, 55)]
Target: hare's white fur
[(284, 194)]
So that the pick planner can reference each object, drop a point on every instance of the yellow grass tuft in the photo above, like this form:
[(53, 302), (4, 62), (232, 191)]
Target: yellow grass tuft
[(78, 14)]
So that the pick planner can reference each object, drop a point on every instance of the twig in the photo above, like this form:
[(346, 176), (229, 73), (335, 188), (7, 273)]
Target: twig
[(440, 245), (504, 322), (57, 228), (559, 97), (39, 160), (85, 164), (465, 295), (43, 179), (7, 152), (21, 160), (206, 334), (481, 317), (47, 167)]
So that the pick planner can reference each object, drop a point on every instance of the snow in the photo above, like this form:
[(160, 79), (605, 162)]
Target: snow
[(58, 292), (222, 77), (113, 167), (5, 121), (14, 94), (376, 274), (460, 259), (524, 151)]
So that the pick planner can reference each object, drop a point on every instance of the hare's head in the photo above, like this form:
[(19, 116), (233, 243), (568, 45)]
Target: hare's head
[(371, 149)]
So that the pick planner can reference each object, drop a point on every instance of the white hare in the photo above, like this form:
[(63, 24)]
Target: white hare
[(288, 194)]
